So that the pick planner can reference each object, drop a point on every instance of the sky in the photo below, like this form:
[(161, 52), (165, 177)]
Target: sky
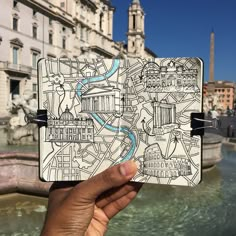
[(182, 28)]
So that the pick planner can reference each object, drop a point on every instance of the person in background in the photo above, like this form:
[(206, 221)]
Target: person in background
[(215, 118), (86, 208), (214, 113)]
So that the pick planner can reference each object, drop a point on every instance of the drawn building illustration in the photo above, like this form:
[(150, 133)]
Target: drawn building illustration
[(101, 100), (170, 77), (68, 129), (128, 96), (156, 165), (164, 117)]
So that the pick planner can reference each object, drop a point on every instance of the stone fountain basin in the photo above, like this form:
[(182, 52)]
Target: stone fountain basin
[(212, 144)]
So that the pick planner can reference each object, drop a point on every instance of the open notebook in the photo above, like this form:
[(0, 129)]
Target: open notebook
[(105, 111)]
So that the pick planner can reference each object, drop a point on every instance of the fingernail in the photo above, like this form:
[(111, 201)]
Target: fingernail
[(127, 168)]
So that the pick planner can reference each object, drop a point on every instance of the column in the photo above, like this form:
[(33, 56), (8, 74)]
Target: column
[(107, 102), (173, 110), (130, 21), (113, 103), (110, 23), (154, 115), (91, 104), (100, 103), (159, 112), (138, 21), (143, 20)]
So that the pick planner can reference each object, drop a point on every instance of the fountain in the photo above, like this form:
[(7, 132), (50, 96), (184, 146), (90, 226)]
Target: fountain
[(19, 149), (19, 131)]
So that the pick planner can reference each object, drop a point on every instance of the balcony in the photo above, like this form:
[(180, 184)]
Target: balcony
[(102, 45), (11, 68)]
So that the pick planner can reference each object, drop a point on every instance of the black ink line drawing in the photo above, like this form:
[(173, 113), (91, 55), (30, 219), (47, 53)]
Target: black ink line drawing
[(156, 165), (101, 100), (68, 129), (164, 117), (102, 112), (169, 78), (144, 129)]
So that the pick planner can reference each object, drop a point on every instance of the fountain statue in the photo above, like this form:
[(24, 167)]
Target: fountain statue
[(19, 130), (212, 101)]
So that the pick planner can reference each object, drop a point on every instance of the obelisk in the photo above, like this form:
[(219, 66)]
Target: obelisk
[(211, 82)]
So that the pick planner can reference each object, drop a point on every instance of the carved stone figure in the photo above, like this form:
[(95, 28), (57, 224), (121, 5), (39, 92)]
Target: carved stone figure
[(19, 130)]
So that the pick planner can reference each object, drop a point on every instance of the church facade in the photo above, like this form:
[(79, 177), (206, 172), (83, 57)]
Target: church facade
[(30, 30), (67, 129)]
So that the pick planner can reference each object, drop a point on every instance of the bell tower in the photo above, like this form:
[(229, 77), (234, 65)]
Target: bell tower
[(135, 34)]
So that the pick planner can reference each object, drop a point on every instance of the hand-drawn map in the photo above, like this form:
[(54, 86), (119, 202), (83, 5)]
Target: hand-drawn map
[(106, 111)]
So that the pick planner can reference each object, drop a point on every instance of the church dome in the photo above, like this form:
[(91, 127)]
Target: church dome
[(67, 115)]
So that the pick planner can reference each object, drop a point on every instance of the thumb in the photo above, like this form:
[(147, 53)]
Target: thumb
[(112, 177)]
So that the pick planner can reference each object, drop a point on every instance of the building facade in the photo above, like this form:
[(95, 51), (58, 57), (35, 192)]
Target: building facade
[(169, 77), (219, 94), (68, 129), (164, 117), (156, 165), (105, 100), (224, 92), (30, 30)]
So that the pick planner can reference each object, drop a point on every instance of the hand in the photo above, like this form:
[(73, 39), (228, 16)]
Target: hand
[(86, 208)]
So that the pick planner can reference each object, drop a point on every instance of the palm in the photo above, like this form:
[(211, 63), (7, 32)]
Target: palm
[(98, 224), (86, 208), (108, 205)]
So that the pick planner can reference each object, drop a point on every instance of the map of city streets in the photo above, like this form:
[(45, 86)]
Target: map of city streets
[(102, 112)]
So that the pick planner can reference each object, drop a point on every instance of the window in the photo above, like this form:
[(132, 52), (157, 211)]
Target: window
[(34, 59), (15, 4), (50, 38), (64, 42), (34, 31), (34, 13), (15, 23), (62, 4), (50, 21), (15, 52), (134, 22), (100, 21), (64, 29)]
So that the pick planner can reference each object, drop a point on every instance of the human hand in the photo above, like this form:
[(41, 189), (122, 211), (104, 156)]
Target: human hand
[(86, 208)]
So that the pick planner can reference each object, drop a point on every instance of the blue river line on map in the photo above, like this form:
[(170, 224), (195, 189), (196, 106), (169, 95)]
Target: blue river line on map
[(124, 130)]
